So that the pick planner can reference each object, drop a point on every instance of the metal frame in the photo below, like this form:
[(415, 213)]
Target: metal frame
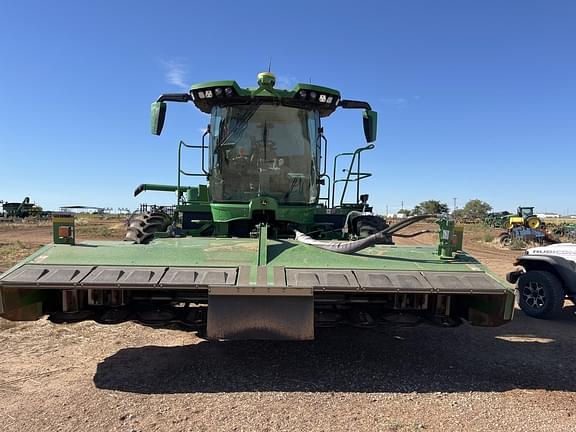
[(181, 172), (359, 175)]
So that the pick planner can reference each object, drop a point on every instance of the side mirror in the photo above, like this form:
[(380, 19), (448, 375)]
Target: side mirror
[(158, 116), (370, 122)]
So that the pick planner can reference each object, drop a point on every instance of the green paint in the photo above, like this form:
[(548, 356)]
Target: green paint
[(228, 212), (157, 118), (226, 252), (63, 229), (262, 244)]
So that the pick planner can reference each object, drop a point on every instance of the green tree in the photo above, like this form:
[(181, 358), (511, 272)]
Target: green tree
[(430, 207), (476, 209), (458, 214), (404, 211)]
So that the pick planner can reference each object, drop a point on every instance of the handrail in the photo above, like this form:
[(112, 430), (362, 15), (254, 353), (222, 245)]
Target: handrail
[(186, 173), (327, 197), (358, 174), (325, 154), (334, 179)]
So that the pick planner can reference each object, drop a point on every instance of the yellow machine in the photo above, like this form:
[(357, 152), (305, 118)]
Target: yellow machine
[(524, 217)]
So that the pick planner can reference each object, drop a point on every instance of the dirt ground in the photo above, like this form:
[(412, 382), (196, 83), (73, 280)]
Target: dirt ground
[(90, 377)]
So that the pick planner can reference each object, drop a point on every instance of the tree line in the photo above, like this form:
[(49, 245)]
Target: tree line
[(473, 210)]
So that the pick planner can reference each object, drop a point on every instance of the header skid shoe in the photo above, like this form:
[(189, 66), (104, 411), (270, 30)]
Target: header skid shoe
[(252, 316)]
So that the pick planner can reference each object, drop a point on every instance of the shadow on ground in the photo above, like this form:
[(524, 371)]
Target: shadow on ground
[(525, 354)]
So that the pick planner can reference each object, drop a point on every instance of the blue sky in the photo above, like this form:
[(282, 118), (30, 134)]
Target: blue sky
[(475, 99)]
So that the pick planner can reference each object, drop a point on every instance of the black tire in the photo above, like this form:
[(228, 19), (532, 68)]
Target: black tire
[(366, 225), (505, 239), (541, 294), (141, 227)]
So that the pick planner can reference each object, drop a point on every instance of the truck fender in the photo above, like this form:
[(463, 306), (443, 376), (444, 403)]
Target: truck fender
[(564, 269)]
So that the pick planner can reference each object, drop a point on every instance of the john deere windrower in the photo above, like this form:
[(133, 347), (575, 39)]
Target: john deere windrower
[(270, 247)]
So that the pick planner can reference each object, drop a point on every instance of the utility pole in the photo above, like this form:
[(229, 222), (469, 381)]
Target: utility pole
[(386, 209), (454, 208), (401, 205)]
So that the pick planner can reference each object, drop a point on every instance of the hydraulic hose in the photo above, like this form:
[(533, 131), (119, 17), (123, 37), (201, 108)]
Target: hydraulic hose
[(406, 222), (344, 247), (348, 247)]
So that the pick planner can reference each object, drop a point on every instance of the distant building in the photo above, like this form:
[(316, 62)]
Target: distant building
[(396, 215), (548, 215)]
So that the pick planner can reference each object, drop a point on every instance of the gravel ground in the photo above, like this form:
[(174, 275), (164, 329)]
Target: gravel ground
[(89, 377)]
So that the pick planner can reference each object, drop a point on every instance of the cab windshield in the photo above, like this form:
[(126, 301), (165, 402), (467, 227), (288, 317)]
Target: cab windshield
[(264, 150)]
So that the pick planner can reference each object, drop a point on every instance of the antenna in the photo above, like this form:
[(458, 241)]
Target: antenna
[(270, 64)]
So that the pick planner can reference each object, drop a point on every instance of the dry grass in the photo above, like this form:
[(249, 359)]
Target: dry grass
[(11, 253)]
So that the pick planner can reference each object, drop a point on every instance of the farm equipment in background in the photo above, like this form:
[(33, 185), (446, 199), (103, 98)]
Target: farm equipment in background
[(22, 210), (564, 231), (524, 217), (497, 220), (259, 252), (518, 236)]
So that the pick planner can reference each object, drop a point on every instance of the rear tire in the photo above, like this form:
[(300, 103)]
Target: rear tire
[(142, 227), (533, 222), (366, 225), (541, 294), (505, 240)]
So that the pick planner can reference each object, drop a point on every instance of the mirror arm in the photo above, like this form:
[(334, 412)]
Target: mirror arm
[(352, 104), (174, 97)]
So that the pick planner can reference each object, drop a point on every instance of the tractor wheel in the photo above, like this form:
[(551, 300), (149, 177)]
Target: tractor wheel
[(532, 222), (141, 227), (540, 294), (505, 239), (365, 226), (507, 224)]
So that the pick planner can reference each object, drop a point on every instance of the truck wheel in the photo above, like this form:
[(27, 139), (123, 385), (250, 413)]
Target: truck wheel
[(541, 294), (142, 227)]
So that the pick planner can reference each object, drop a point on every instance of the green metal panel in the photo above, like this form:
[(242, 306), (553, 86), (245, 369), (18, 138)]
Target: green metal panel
[(262, 245), (225, 252), (227, 212), (265, 91), (63, 229)]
